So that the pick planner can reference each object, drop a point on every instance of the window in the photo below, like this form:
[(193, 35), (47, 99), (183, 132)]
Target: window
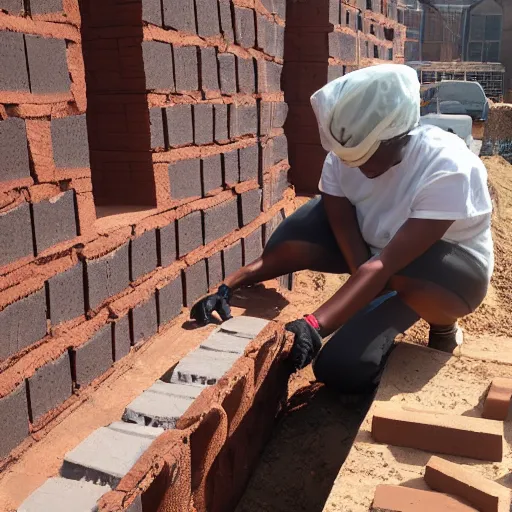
[(389, 34), (375, 51), (390, 54), (484, 38), (372, 29), (369, 4), (492, 28), (475, 52), (359, 21)]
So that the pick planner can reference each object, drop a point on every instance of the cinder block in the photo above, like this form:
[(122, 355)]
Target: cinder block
[(221, 122), (253, 246), (12, 57), (249, 163), (243, 120), (395, 498), (122, 338), (250, 205), (158, 65), (211, 173), (185, 179), (144, 256), (54, 220), (232, 257), (334, 12), (246, 75), (66, 294), (144, 320), (185, 66), (334, 72), (168, 244), (498, 401), (161, 405), (107, 276), (203, 123), (215, 274), (476, 438), (47, 65), (265, 35), (50, 386), (13, 420), (280, 8), (227, 73), (485, 495), (14, 7), (179, 14), (179, 125), (245, 33), (269, 76), (15, 234), (152, 12), (209, 70), (45, 6), (226, 21), (170, 300), (108, 453), (202, 367), (69, 141), (244, 326), (280, 149), (196, 282), (220, 220), (219, 341), (62, 495), (136, 505), (156, 126), (231, 167), (190, 233), (13, 150), (207, 18), (279, 41), (94, 357)]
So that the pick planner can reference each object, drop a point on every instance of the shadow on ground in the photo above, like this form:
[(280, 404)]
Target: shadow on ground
[(307, 449)]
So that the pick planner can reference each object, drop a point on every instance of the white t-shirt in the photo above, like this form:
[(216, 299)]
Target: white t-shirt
[(439, 178)]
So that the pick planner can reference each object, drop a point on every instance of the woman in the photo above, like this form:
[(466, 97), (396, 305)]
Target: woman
[(405, 210)]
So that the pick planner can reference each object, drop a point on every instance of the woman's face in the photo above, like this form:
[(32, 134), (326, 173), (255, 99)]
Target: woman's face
[(389, 154)]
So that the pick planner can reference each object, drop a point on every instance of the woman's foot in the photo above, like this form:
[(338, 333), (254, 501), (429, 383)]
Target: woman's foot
[(447, 338)]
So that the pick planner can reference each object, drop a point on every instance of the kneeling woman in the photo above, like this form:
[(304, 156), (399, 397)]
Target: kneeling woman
[(405, 210)]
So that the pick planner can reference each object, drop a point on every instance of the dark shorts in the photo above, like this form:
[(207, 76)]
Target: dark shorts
[(353, 358)]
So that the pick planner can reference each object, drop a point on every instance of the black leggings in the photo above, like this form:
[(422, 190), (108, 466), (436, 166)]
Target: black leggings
[(352, 359)]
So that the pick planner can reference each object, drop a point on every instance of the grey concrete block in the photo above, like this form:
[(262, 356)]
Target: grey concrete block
[(108, 453), (62, 495), (202, 367), (244, 326), (161, 405), (224, 342), (136, 506)]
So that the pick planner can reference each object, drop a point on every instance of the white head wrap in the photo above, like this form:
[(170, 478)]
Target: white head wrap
[(355, 113)]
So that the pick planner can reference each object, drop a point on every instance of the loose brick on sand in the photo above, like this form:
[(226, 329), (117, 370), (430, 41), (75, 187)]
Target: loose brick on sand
[(498, 401)]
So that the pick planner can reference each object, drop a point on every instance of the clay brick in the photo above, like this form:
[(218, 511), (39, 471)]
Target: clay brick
[(144, 320), (15, 234), (50, 386), (245, 33), (152, 11), (185, 178), (226, 21), (66, 295), (13, 150), (13, 420), (196, 282), (156, 123), (215, 274), (498, 400), (243, 120), (227, 73), (121, 338), (185, 65), (168, 244), (450, 478), (143, 254), (220, 220), (250, 205), (203, 124), (14, 7), (211, 173), (190, 233), (221, 123), (253, 246), (47, 65), (158, 65), (69, 141), (231, 169), (269, 76), (179, 125), (209, 70), (54, 220), (246, 76), (179, 14), (170, 300), (94, 357), (442, 433), (207, 18), (12, 57), (107, 276), (232, 256), (280, 149), (249, 163)]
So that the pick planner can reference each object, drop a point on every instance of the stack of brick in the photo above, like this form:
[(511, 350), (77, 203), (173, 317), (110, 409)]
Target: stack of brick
[(498, 132)]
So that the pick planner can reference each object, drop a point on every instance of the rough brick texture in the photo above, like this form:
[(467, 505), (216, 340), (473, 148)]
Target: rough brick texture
[(144, 255), (215, 274), (185, 178), (253, 246), (156, 128), (69, 140), (185, 65), (209, 71), (170, 300), (499, 400), (231, 167), (232, 258), (227, 70), (15, 234), (179, 122), (13, 150), (13, 420), (250, 205), (211, 173), (196, 282), (190, 233), (168, 244), (220, 220), (12, 57), (207, 18), (66, 295), (144, 320), (179, 14), (249, 163), (122, 339), (203, 124), (158, 65)]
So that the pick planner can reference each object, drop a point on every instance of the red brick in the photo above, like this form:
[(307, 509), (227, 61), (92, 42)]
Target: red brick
[(94, 357), (50, 386), (69, 141), (221, 123), (498, 401), (168, 244), (209, 70), (14, 7), (250, 205), (185, 179), (245, 34), (207, 18), (211, 173), (170, 300), (47, 65), (143, 254), (179, 125), (196, 282), (179, 14), (54, 220), (215, 274), (249, 163), (227, 73), (190, 233), (12, 57), (156, 127), (269, 76), (13, 150), (226, 20), (158, 65), (246, 75), (253, 246), (203, 124), (185, 66), (15, 234), (243, 120), (220, 220), (121, 338), (231, 169), (13, 420), (152, 11), (144, 320), (66, 295), (232, 257)]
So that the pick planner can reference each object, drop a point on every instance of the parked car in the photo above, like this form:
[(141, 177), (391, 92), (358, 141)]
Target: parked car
[(461, 125)]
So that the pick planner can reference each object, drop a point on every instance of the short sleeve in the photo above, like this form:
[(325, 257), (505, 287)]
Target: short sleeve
[(330, 180)]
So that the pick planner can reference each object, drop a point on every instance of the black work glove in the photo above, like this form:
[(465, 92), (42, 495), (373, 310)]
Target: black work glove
[(306, 345), (202, 310)]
